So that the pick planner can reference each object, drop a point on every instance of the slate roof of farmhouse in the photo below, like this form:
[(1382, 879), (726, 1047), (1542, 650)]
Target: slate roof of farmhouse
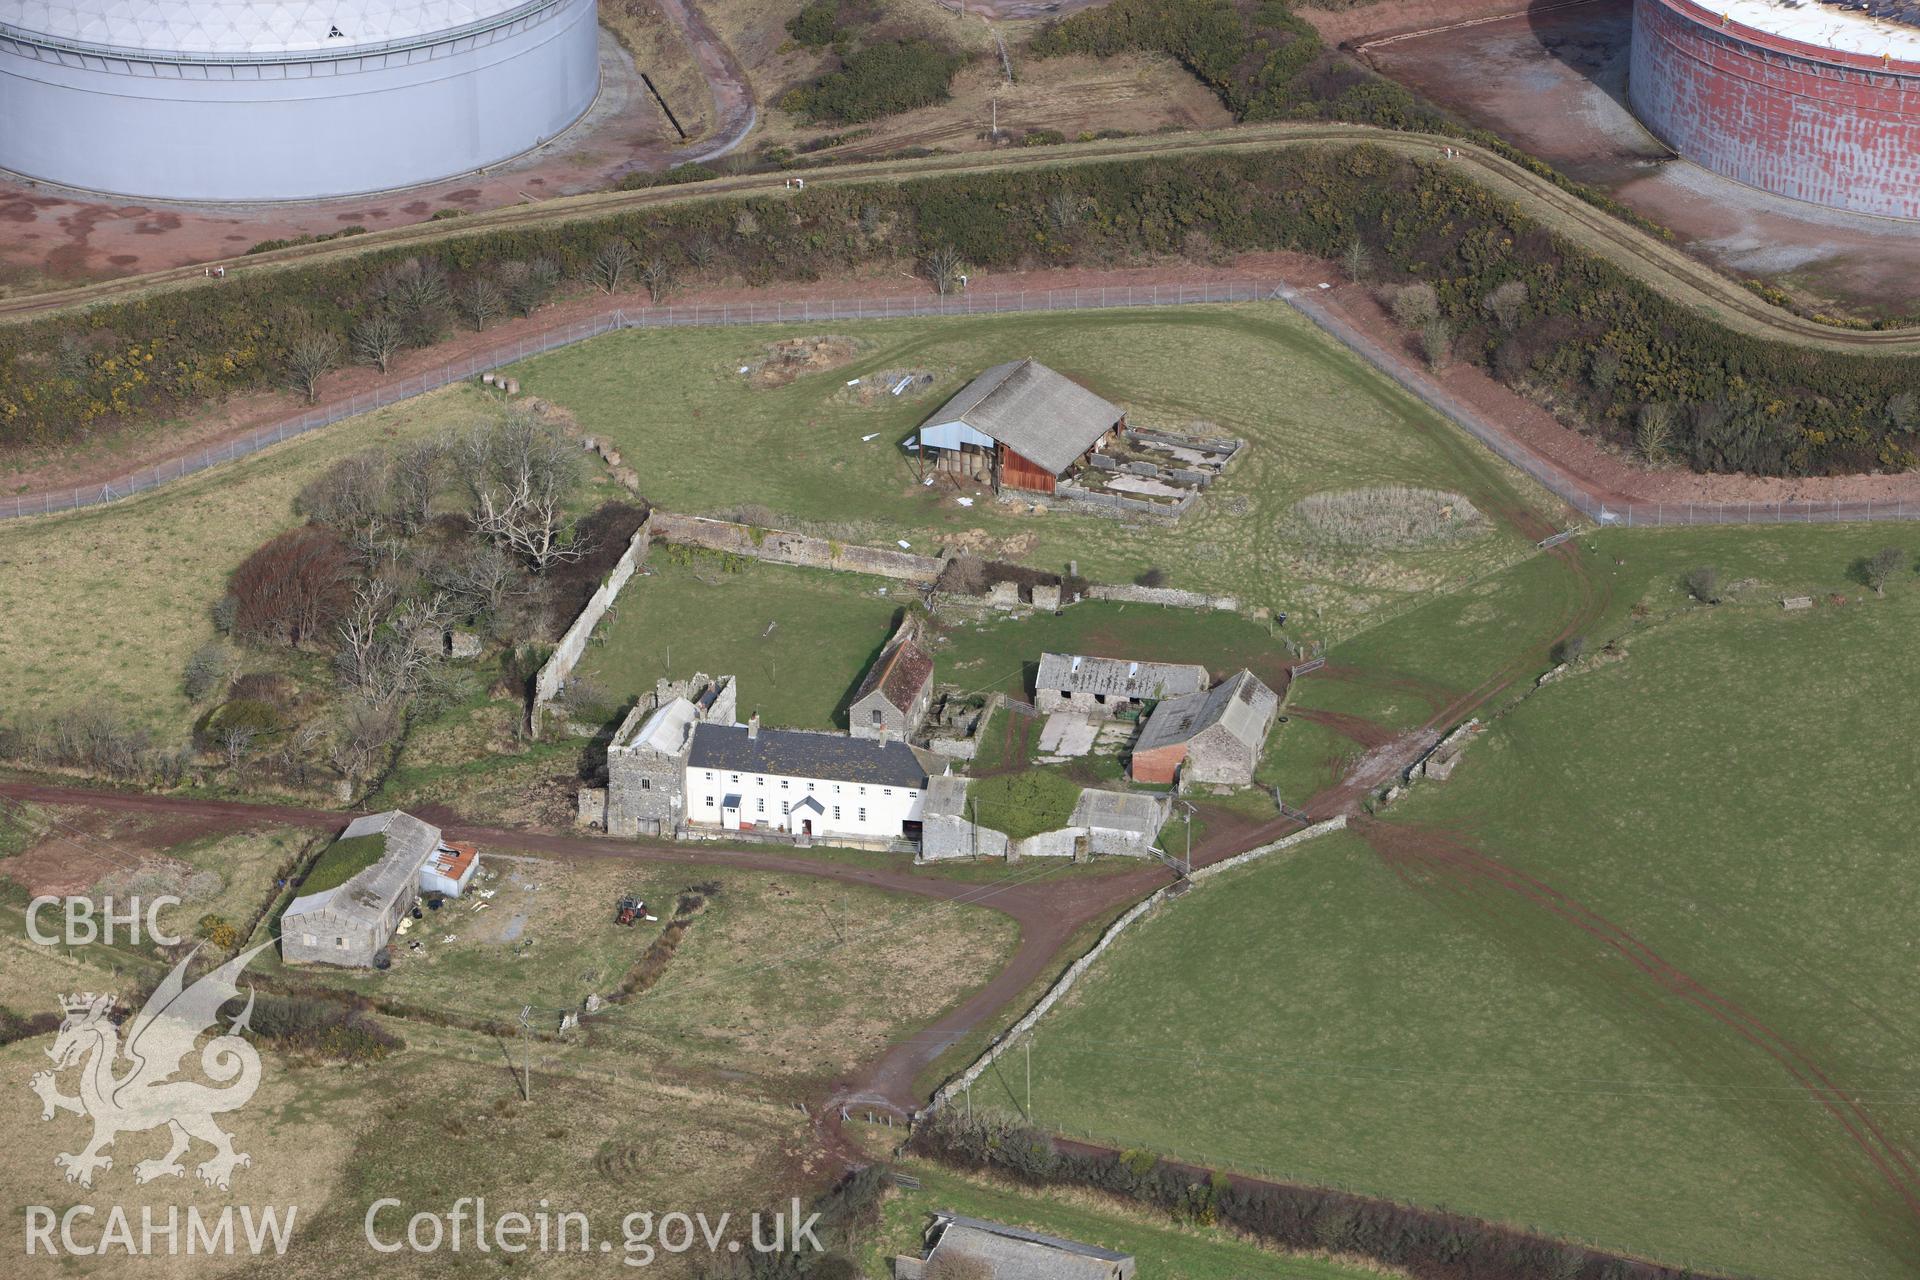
[(1237, 704), (901, 671), (1045, 417), (805, 753), (1119, 677)]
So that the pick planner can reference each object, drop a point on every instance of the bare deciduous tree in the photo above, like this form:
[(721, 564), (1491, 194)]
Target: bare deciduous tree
[(481, 580), (481, 302), (1416, 306), (1436, 343), (529, 284), (1507, 304), (1359, 260), (418, 293), (610, 264), (947, 269), (416, 477), (1653, 432), (519, 473), (355, 497), (236, 743), (311, 351), (379, 338), (660, 278), (364, 733)]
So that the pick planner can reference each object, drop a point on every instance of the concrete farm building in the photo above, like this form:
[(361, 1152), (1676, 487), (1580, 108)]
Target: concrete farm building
[(247, 100), (1811, 99)]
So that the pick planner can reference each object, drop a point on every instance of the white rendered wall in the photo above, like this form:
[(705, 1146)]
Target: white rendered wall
[(763, 795), (293, 130)]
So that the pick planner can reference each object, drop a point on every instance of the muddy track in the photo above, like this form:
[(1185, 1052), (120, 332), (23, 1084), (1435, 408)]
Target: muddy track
[(1660, 265)]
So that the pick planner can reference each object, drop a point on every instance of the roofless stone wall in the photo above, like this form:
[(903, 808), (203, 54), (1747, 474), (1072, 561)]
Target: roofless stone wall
[(782, 547)]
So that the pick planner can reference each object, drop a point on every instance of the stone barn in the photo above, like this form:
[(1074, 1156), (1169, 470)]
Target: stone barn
[(349, 922), (1018, 426), (892, 701), (1108, 686), (1216, 736)]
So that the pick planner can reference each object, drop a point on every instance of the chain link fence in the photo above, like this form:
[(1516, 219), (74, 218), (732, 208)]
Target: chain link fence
[(665, 317), (1628, 515)]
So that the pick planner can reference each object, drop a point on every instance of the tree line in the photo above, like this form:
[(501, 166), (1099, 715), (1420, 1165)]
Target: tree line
[(1609, 353)]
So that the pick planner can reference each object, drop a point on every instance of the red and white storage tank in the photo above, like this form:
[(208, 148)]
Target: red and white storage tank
[(1802, 98)]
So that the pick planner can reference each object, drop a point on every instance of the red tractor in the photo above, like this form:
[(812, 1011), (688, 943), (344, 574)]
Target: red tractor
[(630, 911)]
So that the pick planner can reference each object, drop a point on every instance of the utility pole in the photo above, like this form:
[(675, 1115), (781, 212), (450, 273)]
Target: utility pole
[(526, 1053), (1029, 1048)]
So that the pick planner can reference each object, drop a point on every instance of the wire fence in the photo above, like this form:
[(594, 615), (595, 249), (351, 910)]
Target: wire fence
[(826, 310), (1628, 515), (830, 310)]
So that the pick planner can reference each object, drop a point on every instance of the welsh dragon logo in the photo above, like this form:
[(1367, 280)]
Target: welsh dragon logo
[(143, 1094)]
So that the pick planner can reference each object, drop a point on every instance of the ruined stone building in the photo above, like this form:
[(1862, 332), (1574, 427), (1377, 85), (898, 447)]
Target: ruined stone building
[(892, 701), (646, 761), (1107, 686)]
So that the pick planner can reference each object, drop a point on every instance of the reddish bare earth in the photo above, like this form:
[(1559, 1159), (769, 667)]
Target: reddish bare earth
[(1551, 77)]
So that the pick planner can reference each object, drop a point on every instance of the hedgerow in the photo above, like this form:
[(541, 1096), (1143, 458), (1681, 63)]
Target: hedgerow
[(1592, 339)]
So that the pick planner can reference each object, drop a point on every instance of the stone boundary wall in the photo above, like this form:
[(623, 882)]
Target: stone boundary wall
[(1007, 1039), (566, 654), (1170, 596), (782, 547)]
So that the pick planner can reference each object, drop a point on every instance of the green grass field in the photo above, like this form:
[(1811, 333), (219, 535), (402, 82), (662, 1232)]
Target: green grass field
[(1381, 1011), (706, 439), (797, 640), (111, 602)]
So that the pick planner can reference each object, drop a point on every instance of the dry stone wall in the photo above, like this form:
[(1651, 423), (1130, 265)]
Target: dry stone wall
[(566, 654), (783, 547)]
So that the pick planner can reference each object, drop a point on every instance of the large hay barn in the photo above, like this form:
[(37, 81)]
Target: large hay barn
[(1020, 426)]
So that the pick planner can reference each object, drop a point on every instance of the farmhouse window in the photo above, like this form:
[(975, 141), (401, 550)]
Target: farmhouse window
[(876, 715), (340, 943), (836, 813), (709, 802), (759, 804), (785, 808), (646, 784), (887, 792), (783, 784), (863, 815)]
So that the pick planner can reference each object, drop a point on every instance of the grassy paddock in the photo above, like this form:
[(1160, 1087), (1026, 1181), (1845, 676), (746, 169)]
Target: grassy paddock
[(110, 602), (1320, 421), (798, 640), (774, 980), (1352, 1015)]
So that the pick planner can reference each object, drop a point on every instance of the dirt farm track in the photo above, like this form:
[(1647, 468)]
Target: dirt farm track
[(1661, 266)]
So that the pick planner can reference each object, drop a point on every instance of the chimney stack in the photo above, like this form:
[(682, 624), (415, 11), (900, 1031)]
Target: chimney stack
[(753, 727)]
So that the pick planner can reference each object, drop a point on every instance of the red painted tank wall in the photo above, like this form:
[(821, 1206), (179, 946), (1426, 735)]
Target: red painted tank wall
[(1836, 129)]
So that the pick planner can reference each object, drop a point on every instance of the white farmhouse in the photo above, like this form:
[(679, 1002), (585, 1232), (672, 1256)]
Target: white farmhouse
[(803, 783)]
